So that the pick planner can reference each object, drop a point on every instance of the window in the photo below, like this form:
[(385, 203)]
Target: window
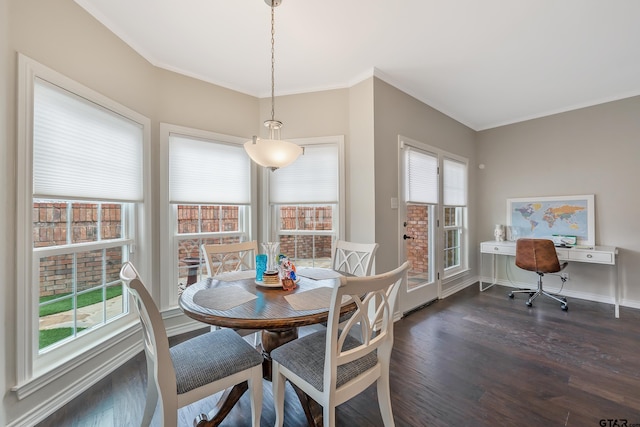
[(79, 248), (80, 216), (455, 202), (306, 203), (452, 233), (209, 200)]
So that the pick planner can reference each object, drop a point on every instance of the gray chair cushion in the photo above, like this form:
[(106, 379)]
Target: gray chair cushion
[(210, 357), (305, 357)]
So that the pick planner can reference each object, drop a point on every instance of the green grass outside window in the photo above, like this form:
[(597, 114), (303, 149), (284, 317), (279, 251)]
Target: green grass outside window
[(84, 300)]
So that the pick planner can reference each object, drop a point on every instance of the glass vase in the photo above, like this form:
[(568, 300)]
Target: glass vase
[(272, 249)]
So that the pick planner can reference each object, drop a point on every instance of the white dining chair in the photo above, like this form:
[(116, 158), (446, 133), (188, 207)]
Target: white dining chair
[(222, 258), (331, 366), (228, 257), (353, 258), (194, 369)]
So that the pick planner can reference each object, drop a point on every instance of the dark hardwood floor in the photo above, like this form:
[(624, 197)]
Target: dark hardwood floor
[(473, 359)]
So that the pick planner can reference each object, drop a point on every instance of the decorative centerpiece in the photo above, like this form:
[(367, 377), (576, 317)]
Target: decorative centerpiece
[(287, 272), (271, 276)]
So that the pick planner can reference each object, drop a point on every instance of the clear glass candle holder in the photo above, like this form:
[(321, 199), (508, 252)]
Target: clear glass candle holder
[(272, 249)]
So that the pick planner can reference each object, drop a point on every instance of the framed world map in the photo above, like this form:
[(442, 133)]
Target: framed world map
[(544, 217)]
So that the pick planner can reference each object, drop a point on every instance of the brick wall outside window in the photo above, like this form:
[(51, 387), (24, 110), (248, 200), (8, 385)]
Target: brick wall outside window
[(303, 218), (50, 225), (418, 247), (50, 229)]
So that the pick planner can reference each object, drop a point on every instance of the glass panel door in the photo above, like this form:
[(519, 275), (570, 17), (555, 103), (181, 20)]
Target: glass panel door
[(419, 250), (418, 213)]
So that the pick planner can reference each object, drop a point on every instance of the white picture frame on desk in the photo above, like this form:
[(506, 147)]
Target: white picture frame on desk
[(543, 217)]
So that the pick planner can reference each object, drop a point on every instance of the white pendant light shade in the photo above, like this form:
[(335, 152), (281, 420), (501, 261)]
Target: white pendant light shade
[(272, 153)]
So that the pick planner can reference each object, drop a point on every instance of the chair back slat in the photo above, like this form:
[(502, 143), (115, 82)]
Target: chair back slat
[(353, 258)]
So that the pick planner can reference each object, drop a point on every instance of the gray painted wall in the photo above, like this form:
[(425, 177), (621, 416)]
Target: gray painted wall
[(396, 113), (599, 143), (593, 150), (360, 165)]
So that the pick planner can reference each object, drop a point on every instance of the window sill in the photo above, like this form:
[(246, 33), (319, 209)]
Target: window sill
[(68, 364)]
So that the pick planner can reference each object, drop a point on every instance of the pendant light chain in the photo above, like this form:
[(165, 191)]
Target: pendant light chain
[(272, 153), (273, 61)]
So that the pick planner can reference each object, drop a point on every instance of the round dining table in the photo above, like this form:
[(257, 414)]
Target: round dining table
[(236, 300)]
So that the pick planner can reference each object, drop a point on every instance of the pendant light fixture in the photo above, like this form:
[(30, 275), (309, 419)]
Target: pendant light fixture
[(272, 153)]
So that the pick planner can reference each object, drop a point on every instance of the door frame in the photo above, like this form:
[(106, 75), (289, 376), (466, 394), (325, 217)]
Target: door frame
[(409, 300)]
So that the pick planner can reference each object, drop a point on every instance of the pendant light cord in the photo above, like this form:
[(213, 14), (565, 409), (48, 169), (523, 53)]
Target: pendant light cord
[(273, 61)]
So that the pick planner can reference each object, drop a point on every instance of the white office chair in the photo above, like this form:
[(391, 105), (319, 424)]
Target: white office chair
[(331, 366), (194, 369), (353, 258)]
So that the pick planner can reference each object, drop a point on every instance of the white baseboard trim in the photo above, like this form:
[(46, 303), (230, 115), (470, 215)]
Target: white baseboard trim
[(458, 287), (630, 303)]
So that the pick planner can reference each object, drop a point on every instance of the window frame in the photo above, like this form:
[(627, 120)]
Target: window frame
[(168, 212), (271, 222), (463, 228), (34, 369), (459, 228)]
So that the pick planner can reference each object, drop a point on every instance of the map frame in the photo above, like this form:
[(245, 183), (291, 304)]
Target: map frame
[(588, 199)]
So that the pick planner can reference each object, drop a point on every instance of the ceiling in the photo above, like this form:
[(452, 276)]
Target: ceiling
[(484, 63)]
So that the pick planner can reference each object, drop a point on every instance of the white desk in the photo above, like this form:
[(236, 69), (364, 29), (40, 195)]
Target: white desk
[(595, 255)]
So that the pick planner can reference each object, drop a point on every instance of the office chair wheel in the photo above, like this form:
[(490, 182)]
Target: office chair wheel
[(511, 295), (564, 307), (529, 303), (563, 299)]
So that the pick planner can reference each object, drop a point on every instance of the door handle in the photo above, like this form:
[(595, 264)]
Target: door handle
[(405, 237)]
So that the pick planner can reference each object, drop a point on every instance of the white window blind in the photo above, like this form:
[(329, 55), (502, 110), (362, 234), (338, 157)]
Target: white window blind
[(454, 183), (82, 150), (421, 176), (312, 178), (202, 172)]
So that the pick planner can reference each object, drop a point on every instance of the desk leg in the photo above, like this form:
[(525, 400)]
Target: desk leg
[(617, 297), (493, 271), (481, 270)]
